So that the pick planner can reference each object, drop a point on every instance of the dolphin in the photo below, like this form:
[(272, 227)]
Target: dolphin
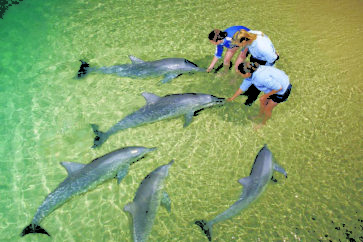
[(84, 177), (170, 68), (159, 108), (253, 186), (146, 202)]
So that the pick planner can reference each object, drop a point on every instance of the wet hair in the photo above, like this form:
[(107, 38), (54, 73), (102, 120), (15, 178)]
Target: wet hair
[(216, 35), (244, 69)]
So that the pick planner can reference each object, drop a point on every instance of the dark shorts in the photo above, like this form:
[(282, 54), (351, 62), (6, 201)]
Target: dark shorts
[(252, 94), (281, 98), (262, 62)]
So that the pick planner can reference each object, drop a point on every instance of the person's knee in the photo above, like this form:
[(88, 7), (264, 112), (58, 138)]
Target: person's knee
[(270, 107)]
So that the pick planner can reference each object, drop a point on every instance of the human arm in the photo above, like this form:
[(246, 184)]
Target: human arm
[(244, 86), (236, 94), (217, 55), (265, 96), (214, 61), (241, 58)]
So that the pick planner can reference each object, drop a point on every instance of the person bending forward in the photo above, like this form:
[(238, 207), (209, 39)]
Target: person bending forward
[(223, 39), (274, 83)]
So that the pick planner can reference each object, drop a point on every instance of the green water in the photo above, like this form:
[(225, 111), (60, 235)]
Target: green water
[(316, 135)]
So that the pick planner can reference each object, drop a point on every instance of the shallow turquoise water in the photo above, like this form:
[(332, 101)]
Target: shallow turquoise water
[(46, 113)]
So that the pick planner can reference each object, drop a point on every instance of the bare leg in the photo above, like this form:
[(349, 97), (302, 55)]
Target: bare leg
[(268, 110), (227, 58), (241, 58), (262, 110)]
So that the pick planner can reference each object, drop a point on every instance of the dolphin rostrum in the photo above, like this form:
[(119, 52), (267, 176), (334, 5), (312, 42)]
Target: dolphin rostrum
[(159, 108), (146, 202), (84, 177), (253, 186), (170, 68)]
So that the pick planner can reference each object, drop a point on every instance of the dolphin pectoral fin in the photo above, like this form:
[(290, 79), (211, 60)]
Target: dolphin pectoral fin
[(188, 119), (72, 167), (165, 201), (121, 174), (280, 169), (129, 208), (150, 98), (135, 60), (245, 181), (169, 77)]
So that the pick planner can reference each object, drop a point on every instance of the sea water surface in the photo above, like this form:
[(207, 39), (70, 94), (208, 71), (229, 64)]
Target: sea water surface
[(316, 135)]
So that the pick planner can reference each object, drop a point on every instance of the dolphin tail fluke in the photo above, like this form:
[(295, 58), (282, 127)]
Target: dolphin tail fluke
[(100, 138), (206, 227), (83, 69), (33, 229)]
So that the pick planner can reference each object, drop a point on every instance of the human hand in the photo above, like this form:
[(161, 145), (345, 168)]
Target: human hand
[(229, 99), (209, 69)]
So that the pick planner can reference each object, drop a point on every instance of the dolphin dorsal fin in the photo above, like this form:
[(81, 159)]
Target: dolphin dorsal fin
[(245, 181), (129, 208), (150, 97), (72, 167), (135, 60)]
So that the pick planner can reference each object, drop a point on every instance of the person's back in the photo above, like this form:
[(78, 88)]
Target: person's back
[(267, 78), (262, 49), (230, 32)]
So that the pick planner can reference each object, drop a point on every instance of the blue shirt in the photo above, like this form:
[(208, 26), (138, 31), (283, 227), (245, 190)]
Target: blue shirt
[(262, 48), (227, 41), (267, 79)]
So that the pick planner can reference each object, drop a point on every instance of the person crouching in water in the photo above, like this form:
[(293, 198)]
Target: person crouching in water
[(273, 82)]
